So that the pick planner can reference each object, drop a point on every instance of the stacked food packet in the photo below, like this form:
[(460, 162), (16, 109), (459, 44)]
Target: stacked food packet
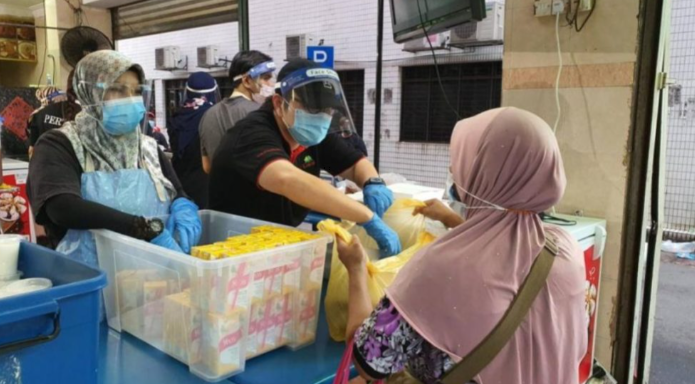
[(261, 238)]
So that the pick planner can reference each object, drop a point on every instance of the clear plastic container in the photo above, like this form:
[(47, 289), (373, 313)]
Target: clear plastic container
[(214, 315)]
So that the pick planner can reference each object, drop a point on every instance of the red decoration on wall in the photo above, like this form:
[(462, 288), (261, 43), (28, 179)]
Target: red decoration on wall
[(16, 115)]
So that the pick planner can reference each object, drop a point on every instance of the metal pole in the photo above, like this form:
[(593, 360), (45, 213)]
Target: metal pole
[(377, 101), (3, 24), (243, 12), (641, 149)]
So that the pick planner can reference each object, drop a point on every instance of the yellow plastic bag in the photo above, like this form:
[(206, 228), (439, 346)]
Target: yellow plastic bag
[(381, 275), (399, 218)]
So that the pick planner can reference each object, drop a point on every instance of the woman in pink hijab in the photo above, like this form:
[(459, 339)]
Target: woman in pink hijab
[(507, 168)]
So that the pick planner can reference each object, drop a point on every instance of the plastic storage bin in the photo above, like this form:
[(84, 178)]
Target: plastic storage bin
[(214, 315), (52, 336)]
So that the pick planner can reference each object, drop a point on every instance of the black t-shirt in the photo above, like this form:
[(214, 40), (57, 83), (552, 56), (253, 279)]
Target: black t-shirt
[(50, 117), (253, 144), (55, 170)]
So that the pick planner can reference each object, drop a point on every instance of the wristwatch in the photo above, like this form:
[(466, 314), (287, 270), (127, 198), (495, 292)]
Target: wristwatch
[(147, 230), (375, 180)]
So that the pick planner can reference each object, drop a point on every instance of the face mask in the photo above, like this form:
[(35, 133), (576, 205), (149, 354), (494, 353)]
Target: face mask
[(257, 97), (267, 90), (151, 122), (122, 116), (310, 129), (454, 200)]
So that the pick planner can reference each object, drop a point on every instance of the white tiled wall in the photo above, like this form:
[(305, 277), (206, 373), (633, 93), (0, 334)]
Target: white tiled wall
[(349, 26)]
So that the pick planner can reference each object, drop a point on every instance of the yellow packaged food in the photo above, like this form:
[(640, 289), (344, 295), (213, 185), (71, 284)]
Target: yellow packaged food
[(130, 297), (256, 316), (223, 290), (217, 254), (283, 310), (222, 352), (307, 319), (129, 285), (182, 328), (277, 308), (312, 270), (267, 228), (206, 253), (153, 309)]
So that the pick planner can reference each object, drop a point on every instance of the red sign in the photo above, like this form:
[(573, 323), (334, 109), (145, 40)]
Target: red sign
[(16, 115), (15, 215), (593, 275)]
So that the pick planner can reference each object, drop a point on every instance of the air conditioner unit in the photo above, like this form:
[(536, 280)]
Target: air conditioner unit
[(208, 57), (438, 41), (295, 45), (490, 31), (167, 58)]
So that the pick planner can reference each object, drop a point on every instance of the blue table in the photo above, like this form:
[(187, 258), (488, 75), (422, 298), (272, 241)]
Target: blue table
[(125, 359)]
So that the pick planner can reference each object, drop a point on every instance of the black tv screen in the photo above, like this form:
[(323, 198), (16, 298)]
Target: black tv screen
[(435, 15)]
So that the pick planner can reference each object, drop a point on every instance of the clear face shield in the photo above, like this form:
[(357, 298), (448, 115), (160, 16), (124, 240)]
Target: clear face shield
[(317, 92), (201, 96), (121, 104), (263, 78)]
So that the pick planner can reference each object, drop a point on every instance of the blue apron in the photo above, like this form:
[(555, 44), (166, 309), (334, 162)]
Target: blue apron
[(130, 190)]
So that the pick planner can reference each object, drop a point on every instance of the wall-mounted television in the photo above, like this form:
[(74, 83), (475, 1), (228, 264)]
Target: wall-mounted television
[(435, 15)]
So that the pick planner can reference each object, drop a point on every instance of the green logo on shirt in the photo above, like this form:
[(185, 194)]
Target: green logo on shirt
[(308, 159)]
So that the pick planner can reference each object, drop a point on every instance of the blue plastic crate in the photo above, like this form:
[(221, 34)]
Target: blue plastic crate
[(52, 336)]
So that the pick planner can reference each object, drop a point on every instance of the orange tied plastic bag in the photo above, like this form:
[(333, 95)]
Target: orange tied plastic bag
[(381, 275)]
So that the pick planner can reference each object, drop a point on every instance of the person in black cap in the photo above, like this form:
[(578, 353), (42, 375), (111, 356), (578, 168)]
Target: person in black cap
[(267, 167)]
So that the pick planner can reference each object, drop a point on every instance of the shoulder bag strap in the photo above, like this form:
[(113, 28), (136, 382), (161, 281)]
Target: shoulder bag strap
[(485, 352)]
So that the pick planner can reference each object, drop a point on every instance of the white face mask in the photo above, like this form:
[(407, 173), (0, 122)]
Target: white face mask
[(257, 97), (267, 90)]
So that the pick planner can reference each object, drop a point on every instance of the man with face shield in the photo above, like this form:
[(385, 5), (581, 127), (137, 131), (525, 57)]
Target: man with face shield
[(267, 167), (101, 171), (252, 76)]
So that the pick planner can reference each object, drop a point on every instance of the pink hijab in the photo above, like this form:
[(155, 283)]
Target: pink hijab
[(454, 292)]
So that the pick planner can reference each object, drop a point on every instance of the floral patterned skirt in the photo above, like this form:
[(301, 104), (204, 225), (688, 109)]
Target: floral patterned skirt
[(386, 344)]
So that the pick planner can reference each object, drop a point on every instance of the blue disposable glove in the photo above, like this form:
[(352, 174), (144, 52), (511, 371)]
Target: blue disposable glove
[(378, 198), (388, 240), (184, 223), (165, 240)]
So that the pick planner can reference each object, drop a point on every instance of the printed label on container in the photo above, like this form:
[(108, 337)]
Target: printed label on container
[(196, 341), (265, 325), (292, 275), (228, 348), (237, 294), (273, 281), (259, 285)]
